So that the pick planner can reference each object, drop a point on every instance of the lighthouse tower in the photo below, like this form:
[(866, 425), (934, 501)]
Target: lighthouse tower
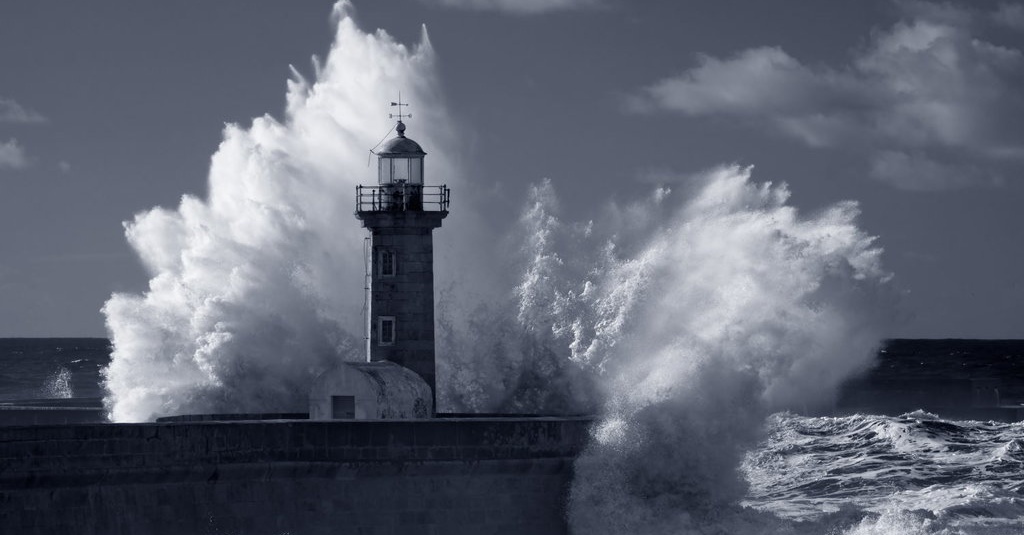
[(401, 213)]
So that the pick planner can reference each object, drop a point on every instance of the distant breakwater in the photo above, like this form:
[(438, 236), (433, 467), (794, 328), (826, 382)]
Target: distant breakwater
[(452, 475), (956, 379)]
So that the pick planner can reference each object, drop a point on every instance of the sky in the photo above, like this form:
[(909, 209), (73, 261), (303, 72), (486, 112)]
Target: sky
[(914, 110)]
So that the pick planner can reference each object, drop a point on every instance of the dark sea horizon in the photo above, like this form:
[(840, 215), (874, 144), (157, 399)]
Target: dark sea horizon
[(44, 368), (55, 367)]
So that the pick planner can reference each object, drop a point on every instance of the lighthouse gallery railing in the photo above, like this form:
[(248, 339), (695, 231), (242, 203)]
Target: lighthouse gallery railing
[(402, 197)]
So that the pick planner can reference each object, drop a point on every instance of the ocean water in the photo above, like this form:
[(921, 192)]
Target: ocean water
[(32, 368), (912, 473), (908, 474)]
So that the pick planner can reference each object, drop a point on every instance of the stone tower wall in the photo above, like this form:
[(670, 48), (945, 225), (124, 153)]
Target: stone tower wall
[(408, 295)]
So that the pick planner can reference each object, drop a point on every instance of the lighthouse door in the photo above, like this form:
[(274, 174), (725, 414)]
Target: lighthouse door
[(343, 407)]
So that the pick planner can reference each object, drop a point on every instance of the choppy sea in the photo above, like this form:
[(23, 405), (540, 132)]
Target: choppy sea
[(916, 473), (902, 473)]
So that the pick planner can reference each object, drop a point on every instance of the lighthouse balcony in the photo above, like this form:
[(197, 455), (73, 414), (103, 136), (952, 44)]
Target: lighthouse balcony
[(402, 197)]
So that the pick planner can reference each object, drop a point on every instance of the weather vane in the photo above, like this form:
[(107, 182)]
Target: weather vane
[(401, 113), (400, 127)]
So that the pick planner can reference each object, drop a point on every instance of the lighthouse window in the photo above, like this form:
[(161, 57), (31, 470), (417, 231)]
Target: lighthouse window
[(387, 263), (415, 171), (400, 169), (392, 170), (386, 330)]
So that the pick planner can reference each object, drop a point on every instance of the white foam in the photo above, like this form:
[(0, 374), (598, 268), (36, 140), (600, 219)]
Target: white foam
[(732, 305), (58, 385)]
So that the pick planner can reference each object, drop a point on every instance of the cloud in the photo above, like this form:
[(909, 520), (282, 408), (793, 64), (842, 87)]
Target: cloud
[(929, 103), (12, 112), (1010, 15), (722, 86), (12, 155), (918, 172), (522, 7)]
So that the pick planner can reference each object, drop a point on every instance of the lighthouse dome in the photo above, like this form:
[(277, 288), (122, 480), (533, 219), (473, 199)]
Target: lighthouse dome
[(400, 145)]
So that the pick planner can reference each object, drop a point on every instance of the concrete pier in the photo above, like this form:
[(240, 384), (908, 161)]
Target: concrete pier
[(451, 475)]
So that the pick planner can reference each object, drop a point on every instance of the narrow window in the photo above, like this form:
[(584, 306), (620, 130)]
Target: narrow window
[(387, 263), (386, 330)]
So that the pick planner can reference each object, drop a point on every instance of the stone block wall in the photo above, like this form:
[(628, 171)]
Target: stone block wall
[(451, 476), (408, 294)]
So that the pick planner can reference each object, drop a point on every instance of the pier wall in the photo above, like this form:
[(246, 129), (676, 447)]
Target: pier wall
[(452, 476)]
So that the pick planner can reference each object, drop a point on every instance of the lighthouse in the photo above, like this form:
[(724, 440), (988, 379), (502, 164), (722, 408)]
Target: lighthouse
[(397, 379), (401, 212)]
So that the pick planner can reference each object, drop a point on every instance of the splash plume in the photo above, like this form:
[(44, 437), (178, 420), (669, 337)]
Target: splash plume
[(258, 286), (698, 313)]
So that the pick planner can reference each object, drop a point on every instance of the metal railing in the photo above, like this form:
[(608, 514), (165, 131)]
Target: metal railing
[(402, 197)]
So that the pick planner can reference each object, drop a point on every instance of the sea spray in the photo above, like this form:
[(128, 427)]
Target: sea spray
[(258, 286), (686, 318), (723, 306), (512, 353), (58, 385)]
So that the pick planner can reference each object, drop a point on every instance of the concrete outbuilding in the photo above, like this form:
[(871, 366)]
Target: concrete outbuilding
[(368, 391)]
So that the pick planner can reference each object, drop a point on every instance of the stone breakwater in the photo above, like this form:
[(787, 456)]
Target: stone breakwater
[(452, 476)]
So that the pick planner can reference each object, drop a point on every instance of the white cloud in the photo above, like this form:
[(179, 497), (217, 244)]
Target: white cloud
[(12, 155), (1010, 15), (927, 87), (723, 86), (12, 112), (518, 6), (64, 166)]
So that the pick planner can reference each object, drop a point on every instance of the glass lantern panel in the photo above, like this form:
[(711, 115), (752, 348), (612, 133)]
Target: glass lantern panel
[(400, 169), (383, 170), (415, 171)]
